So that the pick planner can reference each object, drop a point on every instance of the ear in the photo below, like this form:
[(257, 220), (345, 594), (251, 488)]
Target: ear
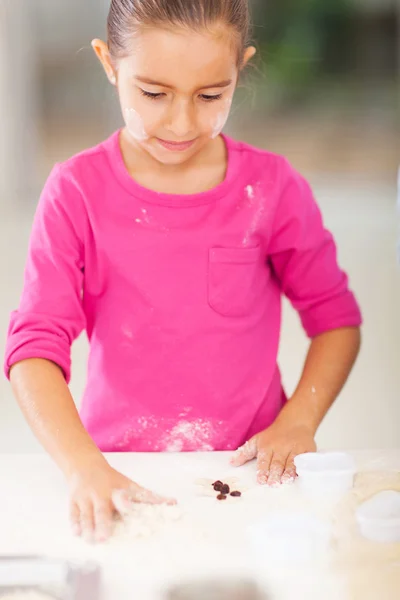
[(248, 55), (103, 54)]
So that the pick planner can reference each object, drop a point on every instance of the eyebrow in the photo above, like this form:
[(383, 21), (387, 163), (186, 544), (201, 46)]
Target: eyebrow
[(220, 84)]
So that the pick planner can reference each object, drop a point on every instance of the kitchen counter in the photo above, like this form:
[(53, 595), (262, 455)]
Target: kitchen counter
[(34, 520)]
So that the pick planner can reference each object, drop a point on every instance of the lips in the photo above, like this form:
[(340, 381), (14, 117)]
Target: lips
[(176, 146)]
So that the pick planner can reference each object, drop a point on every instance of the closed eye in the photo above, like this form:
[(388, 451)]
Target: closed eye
[(151, 95), (208, 98), (157, 96)]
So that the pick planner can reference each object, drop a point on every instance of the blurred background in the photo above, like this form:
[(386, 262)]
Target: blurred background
[(324, 91)]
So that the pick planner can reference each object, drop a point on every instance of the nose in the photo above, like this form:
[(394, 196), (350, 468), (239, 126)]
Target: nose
[(181, 119)]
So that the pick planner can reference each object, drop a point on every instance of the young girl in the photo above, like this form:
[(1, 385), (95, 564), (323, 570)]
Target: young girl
[(172, 245)]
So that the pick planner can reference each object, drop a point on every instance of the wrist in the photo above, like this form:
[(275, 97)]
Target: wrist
[(295, 414), (83, 462)]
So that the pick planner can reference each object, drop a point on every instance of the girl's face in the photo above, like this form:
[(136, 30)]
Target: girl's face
[(176, 89)]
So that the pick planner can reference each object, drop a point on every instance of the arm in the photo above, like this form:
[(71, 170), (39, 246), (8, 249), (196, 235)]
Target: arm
[(97, 490), (46, 402), (303, 257), (329, 361), (49, 319)]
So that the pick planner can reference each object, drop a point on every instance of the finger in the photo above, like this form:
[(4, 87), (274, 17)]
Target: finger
[(87, 522), (289, 474), (263, 466), (121, 502), (103, 520), (245, 453), (277, 468), (75, 519)]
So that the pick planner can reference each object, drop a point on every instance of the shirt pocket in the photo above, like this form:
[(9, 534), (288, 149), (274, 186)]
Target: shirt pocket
[(236, 280)]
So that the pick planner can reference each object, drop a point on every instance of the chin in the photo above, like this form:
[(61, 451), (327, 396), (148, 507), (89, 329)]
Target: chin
[(167, 157)]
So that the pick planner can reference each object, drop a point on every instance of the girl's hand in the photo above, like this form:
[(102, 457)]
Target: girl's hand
[(275, 450), (98, 494)]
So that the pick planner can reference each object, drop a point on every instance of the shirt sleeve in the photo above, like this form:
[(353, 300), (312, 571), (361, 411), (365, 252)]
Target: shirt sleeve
[(50, 315), (303, 255)]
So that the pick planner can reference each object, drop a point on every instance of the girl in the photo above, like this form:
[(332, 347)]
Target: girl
[(172, 245)]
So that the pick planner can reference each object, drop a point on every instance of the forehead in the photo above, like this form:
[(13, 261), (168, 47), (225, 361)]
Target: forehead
[(181, 58)]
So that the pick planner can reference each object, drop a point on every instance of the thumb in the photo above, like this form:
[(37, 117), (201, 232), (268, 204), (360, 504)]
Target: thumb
[(124, 499), (122, 502), (245, 453)]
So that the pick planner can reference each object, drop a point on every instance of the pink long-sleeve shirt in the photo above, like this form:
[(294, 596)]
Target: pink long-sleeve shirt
[(180, 296)]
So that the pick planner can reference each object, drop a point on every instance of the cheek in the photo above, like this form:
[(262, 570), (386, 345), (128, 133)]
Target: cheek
[(135, 125), (219, 121)]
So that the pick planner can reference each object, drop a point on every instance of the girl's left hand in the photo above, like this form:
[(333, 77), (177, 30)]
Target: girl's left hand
[(275, 450)]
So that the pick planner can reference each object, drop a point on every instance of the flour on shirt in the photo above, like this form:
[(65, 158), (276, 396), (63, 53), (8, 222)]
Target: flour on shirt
[(198, 434), (147, 220), (256, 200), (126, 332), (162, 434), (250, 192)]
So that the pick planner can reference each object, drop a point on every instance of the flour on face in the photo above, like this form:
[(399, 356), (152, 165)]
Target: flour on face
[(135, 125), (222, 118)]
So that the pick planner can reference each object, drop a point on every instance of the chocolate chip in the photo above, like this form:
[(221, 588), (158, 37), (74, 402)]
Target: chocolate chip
[(217, 486), (236, 494), (221, 497), (225, 489)]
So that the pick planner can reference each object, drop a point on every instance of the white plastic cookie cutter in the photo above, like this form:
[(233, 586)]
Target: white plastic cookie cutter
[(325, 473), (379, 517), (290, 538)]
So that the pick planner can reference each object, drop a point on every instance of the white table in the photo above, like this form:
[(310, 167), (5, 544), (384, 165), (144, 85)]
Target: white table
[(34, 520)]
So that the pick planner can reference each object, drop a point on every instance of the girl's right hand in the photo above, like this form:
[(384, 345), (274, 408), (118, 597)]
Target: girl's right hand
[(100, 493)]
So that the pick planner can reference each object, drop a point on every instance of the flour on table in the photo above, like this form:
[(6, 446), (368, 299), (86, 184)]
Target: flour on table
[(202, 537), (146, 520)]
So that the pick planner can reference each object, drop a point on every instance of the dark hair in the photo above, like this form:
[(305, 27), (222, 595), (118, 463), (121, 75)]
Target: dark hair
[(126, 16)]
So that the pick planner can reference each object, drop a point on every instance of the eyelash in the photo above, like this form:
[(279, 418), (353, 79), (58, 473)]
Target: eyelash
[(211, 98), (150, 95), (204, 97)]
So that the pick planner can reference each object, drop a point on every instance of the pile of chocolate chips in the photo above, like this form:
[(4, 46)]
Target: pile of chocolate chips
[(223, 490)]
